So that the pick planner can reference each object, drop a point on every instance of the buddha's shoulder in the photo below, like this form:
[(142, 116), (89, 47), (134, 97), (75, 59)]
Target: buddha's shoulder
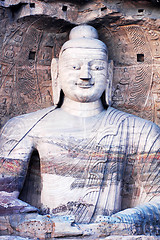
[(115, 117), (27, 120), (37, 115)]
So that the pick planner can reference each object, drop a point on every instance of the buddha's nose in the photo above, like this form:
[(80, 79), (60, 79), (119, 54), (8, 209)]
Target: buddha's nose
[(85, 73)]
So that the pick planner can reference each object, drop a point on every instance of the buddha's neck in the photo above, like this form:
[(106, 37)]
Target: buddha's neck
[(80, 109)]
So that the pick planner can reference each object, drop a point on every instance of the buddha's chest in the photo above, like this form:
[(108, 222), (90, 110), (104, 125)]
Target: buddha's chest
[(78, 154), (76, 166)]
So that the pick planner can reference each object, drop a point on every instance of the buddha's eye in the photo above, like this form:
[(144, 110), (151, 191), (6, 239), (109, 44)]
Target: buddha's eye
[(97, 67), (76, 67)]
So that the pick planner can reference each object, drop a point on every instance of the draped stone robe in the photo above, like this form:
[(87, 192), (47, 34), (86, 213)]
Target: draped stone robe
[(83, 161)]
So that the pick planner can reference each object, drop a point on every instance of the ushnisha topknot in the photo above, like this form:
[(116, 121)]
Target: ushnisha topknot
[(83, 31), (84, 36)]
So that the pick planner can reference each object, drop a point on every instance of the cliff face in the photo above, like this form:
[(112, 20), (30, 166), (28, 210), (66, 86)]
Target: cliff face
[(32, 33)]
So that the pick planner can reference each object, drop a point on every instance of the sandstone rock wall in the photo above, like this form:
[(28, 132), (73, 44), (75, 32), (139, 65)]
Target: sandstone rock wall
[(32, 33)]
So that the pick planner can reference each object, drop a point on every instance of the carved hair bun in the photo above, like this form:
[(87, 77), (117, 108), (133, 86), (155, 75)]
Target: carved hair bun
[(83, 31), (83, 36)]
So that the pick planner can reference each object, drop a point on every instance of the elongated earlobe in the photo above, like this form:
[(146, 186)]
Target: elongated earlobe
[(55, 83), (108, 91)]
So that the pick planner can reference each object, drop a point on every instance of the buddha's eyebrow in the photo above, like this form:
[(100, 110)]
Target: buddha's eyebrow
[(71, 62), (99, 61)]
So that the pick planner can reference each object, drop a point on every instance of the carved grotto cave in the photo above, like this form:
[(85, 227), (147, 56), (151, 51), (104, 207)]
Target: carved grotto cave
[(32, 5), (64, 8), (140, 57), (130, 29), (32, 55)]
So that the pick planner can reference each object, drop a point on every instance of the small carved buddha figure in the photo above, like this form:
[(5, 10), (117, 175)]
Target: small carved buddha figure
[(84, 148)]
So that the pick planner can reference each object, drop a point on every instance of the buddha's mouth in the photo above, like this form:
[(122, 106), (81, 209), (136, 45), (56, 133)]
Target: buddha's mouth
[(82, 85)]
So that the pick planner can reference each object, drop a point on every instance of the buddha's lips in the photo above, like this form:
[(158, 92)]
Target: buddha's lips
[(84, 85)]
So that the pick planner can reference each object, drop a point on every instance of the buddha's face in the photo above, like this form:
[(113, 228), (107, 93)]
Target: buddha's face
[(83, 74)]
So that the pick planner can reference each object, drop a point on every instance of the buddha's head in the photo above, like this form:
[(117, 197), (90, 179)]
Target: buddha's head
[(82, 70)]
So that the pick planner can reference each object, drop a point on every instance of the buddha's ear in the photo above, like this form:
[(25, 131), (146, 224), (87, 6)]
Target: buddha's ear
[(55, 82), (108, 91)]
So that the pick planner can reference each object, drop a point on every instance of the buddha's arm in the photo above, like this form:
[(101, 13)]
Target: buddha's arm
[(14, 157), (143, 219), (142, 215), (147, 167), (145, 206)]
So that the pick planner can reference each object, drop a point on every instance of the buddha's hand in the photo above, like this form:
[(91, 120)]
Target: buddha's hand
[(107, 219), (143, 219), (65, 226), (116, 225)]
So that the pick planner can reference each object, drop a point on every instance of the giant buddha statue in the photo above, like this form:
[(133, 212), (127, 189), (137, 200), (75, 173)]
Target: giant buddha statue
[(84, 147)]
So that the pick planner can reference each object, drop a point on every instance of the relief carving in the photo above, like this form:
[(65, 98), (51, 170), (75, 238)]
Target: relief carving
[(86, 153)]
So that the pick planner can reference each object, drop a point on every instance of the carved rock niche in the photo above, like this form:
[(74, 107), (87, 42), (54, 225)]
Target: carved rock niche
[(32, 33)]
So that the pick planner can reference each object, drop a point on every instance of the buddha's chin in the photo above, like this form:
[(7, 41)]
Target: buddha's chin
[(84, 99)]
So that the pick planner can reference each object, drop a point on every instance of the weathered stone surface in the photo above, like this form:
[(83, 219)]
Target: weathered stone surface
[(9, 205), (32, 33), (141, 237), (31, 225), (13, 238), (83, 164)]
